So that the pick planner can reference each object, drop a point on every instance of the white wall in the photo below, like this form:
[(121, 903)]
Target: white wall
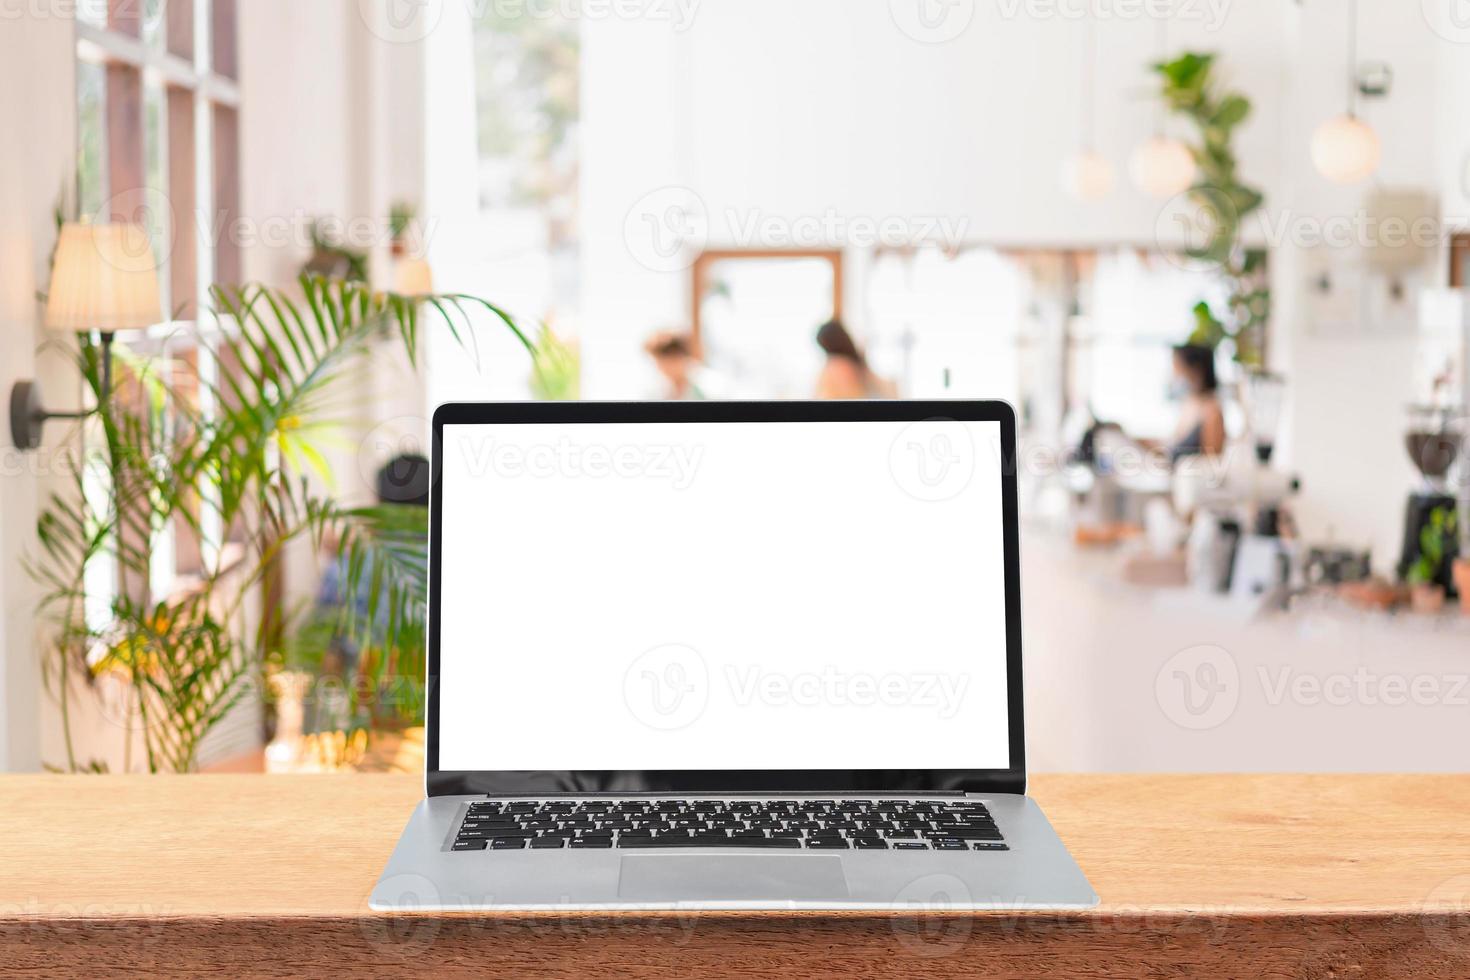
[(793, 109), (1352, 380), (36, 163)]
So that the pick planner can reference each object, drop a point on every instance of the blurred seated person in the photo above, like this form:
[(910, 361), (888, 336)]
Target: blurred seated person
[(687, 379), (846, 373), (1201, 428)]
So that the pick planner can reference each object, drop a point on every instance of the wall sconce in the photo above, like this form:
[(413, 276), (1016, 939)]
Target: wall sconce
[(104, 278)]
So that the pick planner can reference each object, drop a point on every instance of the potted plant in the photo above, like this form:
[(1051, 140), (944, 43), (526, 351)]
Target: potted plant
[(251, 477), (1427, 593), (400, 219), (1191, 88)]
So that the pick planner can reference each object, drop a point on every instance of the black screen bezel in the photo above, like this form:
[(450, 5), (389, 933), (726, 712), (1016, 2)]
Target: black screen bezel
[(1009, 780)]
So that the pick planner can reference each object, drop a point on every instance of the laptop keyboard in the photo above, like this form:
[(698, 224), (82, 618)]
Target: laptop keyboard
[(819, 825)]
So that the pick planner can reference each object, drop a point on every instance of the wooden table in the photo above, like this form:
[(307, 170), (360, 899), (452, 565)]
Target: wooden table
[(1316, 876)]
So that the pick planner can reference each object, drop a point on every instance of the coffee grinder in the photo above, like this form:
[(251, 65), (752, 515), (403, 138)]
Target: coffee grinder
[(1434, 443)]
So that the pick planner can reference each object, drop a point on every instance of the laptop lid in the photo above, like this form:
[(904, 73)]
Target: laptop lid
[(724, 597)]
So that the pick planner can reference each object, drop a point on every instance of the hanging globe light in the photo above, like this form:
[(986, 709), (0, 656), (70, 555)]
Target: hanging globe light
[(1346, 150), (1162, 167)]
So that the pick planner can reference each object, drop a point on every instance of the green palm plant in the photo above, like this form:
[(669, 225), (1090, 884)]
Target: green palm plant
[(243, 473)]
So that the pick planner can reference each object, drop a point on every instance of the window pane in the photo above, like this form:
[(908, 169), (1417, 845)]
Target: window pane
[(92, 12), (183, 260), (179, 17), (758, 323), (156, 213), (949, 326), (228, 268), (125, 16), (91, 137), (222, 33), (126, 174), (154, 26)]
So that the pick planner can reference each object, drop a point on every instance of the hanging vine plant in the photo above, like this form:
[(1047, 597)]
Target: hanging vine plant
[(1191, 89)]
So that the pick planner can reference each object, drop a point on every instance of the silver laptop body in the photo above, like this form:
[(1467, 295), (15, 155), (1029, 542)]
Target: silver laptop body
[(726, 656)]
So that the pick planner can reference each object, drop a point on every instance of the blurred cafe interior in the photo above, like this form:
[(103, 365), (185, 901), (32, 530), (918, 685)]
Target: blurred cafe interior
[(1216, 254)]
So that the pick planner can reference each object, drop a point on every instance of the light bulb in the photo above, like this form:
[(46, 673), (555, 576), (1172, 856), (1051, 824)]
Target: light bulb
[(1088, 176), (1346, 150), (1162, 167)]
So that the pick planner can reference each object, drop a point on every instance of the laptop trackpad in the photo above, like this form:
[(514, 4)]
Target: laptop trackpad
[(732, 878)]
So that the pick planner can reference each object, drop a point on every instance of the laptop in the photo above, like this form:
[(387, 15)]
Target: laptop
[(726, 656)]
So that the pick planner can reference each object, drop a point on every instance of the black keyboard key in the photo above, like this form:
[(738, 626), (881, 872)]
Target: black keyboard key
[(590, 842), (508, 843), (900, 834), (548, 843), (949, 833), (827, 844), (950, 845), (992, 847), (909, 845), (469, 845), (870, 844)]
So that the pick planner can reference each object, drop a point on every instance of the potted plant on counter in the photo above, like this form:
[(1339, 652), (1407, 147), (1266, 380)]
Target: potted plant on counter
[(1426, 593)]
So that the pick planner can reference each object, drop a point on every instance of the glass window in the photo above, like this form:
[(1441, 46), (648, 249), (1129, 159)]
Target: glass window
[(758, 317), (157, 138)]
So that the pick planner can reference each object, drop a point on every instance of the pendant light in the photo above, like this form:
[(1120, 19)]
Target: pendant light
[(1345, 149), (1088, 176), (1162, 166)]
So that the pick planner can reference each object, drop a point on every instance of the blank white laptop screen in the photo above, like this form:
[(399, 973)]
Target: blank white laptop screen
[(722, 596)]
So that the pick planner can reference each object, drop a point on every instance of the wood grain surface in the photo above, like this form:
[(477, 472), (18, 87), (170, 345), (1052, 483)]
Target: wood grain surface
[(1291, 876)]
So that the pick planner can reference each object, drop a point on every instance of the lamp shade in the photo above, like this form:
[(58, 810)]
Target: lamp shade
[(105, 278), (1346, 150), (1162, 167)]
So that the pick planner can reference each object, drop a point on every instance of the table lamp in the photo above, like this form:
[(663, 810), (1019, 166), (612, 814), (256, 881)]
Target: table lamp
[(104, 278)]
